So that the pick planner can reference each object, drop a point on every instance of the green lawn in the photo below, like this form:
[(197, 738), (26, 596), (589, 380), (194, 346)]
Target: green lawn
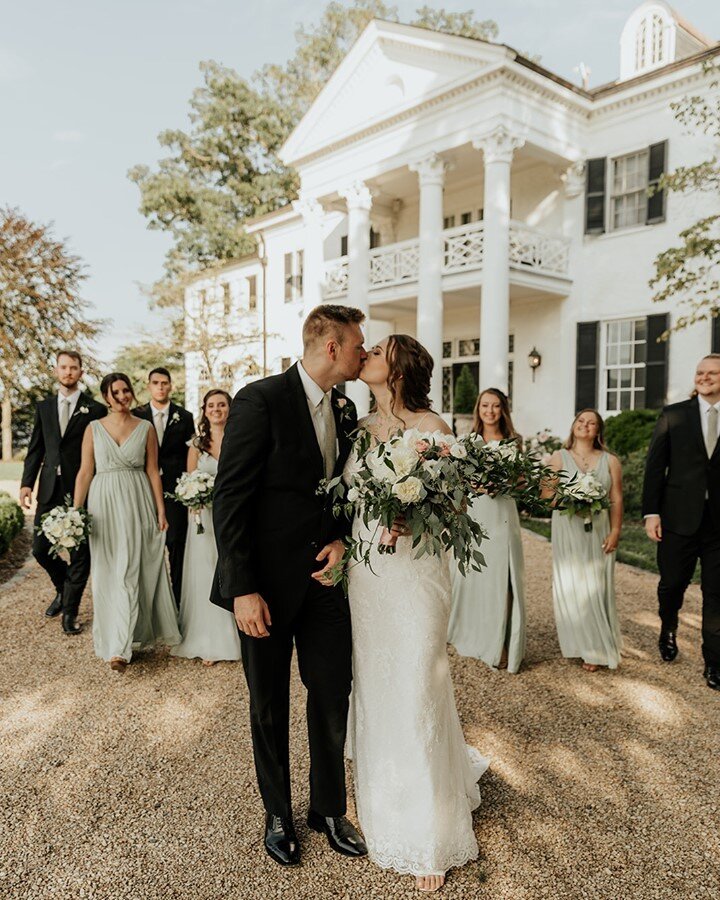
[(635, 548), (10, 471)]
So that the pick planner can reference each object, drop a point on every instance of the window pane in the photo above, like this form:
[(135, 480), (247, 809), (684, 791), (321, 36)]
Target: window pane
[(640, 329), (639, 354), (625, 398), (625, 354), (626, 331), (447, 388), (626, 378), (469, 348), (447, 350), (640, 377), (612, 356)]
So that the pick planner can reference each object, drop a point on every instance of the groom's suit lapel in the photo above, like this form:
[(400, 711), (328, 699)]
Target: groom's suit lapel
[(52, 418), (83, 402), (297, 401)]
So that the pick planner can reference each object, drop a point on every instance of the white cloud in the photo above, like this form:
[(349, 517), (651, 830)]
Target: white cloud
[(68, 136)]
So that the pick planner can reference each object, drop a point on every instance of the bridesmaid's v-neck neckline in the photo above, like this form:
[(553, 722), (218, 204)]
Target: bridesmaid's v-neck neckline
[(119, 446)]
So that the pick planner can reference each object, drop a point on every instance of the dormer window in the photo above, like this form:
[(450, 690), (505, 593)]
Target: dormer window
[(650, 43)]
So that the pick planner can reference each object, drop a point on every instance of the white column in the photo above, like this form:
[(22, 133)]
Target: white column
[(498, 147), (431, 175), (359, 203), (313, 255)]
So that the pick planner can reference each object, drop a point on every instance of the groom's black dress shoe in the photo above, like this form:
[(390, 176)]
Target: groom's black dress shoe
[(55, 607), (342, 836), (668, 645), (281, 841), (69, 625), (712, 677)]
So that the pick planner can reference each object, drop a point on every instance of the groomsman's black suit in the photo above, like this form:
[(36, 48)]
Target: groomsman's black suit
[(172, 459), (57, 459), (270, 525), (682, 486)]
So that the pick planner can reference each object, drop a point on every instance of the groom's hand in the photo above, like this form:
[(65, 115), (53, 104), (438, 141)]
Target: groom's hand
[(333, 553), (252, 615)]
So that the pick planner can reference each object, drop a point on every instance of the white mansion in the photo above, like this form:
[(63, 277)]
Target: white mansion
[(458, 192)]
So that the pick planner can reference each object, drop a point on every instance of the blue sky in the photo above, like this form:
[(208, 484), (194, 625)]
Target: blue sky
[(86, 85)]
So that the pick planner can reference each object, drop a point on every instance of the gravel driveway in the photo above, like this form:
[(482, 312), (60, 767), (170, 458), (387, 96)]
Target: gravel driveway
[(603, 786)]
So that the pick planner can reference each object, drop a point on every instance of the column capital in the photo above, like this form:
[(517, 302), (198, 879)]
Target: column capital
[(357, 195), (309, 208), (574, 179), (431, 169), (499, 144)]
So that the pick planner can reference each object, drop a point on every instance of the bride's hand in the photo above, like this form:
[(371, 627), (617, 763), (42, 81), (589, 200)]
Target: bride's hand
[(399, 527), (162, 522)]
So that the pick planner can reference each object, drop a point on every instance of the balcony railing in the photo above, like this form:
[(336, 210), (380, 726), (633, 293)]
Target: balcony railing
[(530, 250)]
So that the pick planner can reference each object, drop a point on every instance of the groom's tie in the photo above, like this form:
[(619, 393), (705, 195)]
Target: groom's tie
[(711, 435), (64, 416), (329, 435)]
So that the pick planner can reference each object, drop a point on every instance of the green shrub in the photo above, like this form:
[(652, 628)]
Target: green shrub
[(12, 521), (630, 430), (465, 393), (633, 466)]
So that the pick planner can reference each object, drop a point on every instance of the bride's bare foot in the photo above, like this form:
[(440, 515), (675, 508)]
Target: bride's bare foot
[(118, 664), (209, 662), (589, 667), (429, 882)]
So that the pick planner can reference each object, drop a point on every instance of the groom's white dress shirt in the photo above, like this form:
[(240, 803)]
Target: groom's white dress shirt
[(314, 395)]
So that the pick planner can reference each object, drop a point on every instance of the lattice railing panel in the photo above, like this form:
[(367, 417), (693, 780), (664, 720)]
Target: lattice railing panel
[(538, 251), (463, 247), (336, 277), (394, 264)]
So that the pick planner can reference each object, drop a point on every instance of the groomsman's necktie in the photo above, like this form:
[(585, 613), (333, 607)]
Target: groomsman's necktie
[(711, 435), (160, 425), (329, 435), (64, 416)]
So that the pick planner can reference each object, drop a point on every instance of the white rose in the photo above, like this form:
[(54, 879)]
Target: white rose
[(404, 460), (67, 542), (458, 451), (409, 491), (376, 464), (432, 466), (353, 495)]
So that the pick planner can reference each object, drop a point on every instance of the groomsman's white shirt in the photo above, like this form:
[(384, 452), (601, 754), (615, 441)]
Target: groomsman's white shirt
[(160, 417), (72, 399), (704, 410), (314, 395)]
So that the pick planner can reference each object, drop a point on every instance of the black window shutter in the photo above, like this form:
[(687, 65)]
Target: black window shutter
[(595, 196), (657, 160), (586, 365), (656, 368), (715, 340)]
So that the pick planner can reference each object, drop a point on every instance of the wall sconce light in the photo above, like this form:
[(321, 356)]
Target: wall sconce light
[(534, 360)]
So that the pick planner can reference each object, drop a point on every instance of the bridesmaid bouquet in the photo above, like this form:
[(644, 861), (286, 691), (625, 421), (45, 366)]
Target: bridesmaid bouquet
[(65, 527), (581, 495), (416, 477), (195, 491)]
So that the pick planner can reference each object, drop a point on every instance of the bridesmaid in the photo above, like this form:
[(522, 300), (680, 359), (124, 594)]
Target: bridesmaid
[(208, 631), (133, 602), (584, 562), (488, 613)]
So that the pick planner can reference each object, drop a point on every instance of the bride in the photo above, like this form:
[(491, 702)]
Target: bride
[(415, 778)]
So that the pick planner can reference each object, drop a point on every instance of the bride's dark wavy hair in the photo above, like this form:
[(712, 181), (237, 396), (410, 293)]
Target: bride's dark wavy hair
[(109, 380), (410, 371), (203, 438)]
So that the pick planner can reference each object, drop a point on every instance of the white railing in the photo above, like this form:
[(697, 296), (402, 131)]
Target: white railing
[(538, 251), (395, 264), (463, 248), (336, 277), (530, 249)]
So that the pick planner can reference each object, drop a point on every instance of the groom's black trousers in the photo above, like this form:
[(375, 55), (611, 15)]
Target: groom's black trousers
[(321, 631)]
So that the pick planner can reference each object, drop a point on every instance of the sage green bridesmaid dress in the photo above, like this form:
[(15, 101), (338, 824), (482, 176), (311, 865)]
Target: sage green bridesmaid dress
[(132, 597), (488, 610), (584, 581)]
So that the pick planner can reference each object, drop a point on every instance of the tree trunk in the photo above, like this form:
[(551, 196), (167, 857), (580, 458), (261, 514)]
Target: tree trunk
[(6, 429)]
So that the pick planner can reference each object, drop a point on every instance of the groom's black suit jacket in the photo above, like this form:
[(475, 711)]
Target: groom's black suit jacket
[(173, 452), (678, 473), (270, 523), (48, 450)]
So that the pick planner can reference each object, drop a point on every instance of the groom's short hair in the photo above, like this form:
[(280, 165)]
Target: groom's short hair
[(327, 321)]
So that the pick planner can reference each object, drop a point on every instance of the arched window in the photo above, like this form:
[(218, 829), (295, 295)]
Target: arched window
[(657, 40), (640, 43), (650, 43)]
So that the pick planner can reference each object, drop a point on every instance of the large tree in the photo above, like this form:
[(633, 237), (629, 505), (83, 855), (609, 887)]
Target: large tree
[(690, 271), (41, 309), (224, 168)]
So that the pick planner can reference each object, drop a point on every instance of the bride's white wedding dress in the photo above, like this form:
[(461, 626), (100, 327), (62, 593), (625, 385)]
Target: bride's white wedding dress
[(415, 778)]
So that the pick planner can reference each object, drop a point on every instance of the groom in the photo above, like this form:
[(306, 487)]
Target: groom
[(277, 540)]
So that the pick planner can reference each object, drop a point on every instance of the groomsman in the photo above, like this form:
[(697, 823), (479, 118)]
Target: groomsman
[(175, 427), (54, 452), (681, 507)]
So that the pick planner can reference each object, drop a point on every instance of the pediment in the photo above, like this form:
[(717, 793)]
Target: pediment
[(391, 68)]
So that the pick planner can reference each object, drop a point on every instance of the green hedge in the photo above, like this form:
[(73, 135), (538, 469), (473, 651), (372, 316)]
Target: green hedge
[(12, 521), (630, 430)]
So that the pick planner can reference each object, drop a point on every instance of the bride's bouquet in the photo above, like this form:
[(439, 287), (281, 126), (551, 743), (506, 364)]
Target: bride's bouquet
[(66, 527), (195, 491), (581, 495), (417, 478)]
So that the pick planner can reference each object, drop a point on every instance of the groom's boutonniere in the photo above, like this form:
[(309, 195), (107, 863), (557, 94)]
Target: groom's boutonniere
[(342, 405), (84, 410), (175, 417)]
